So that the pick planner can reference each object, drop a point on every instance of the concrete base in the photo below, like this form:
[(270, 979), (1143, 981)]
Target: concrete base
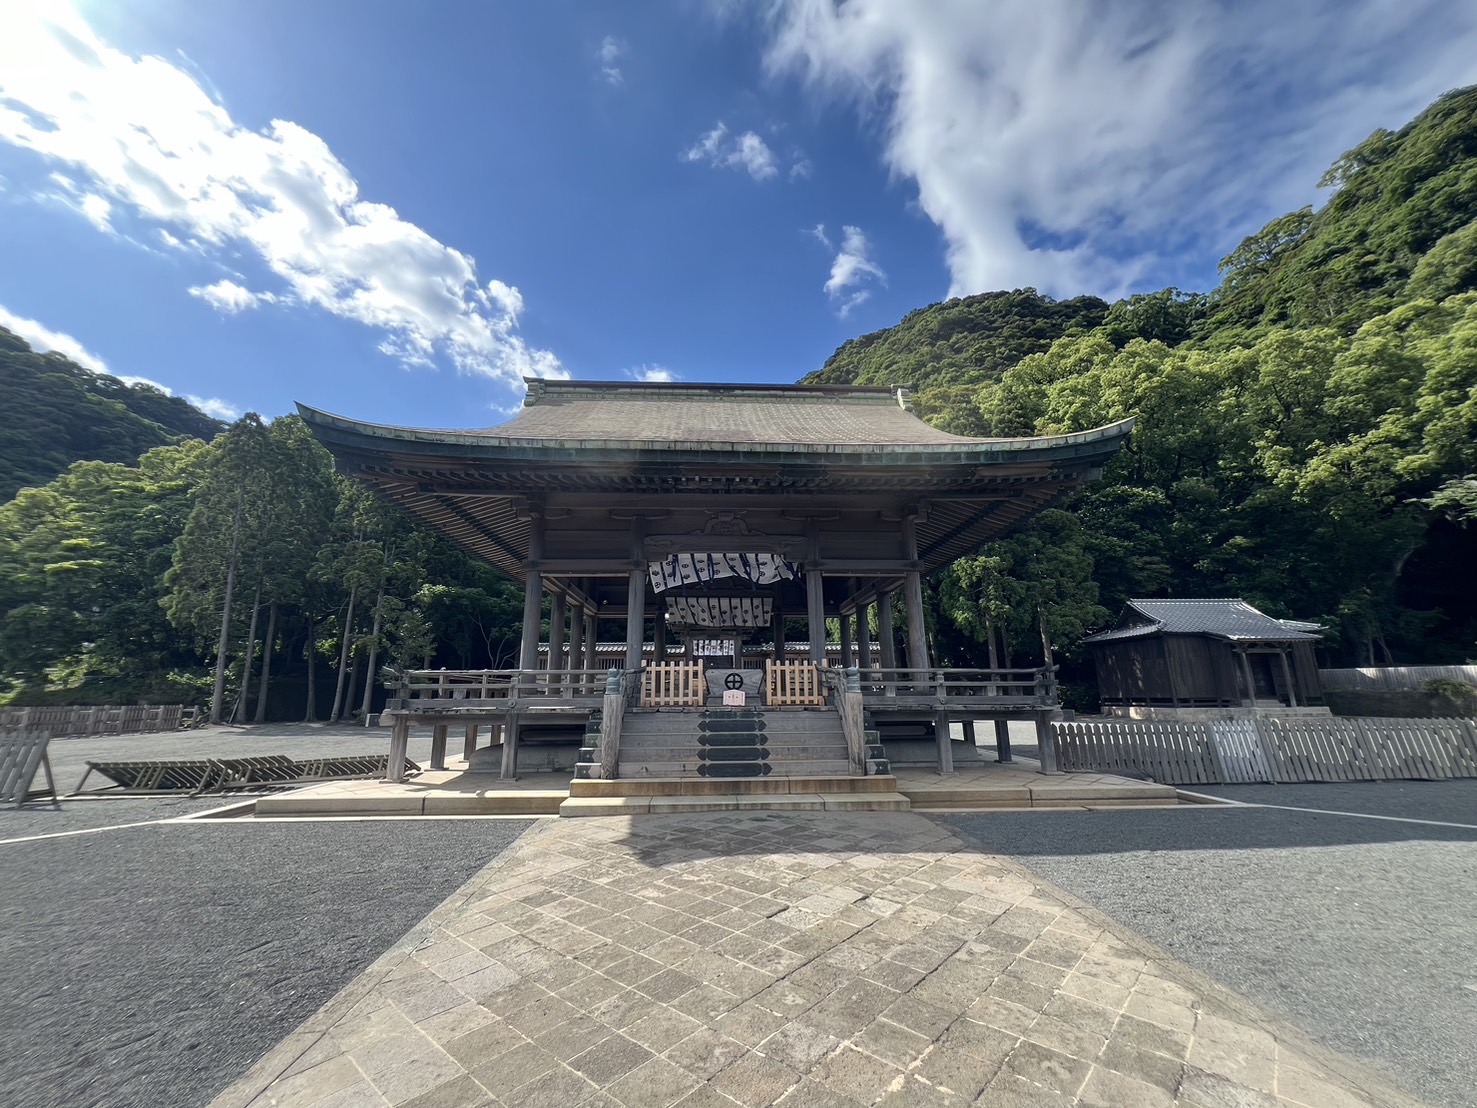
[(455, 792), (655, 795), (1022, 785)]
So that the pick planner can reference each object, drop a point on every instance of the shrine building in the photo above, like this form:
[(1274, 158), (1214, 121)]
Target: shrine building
[(712, 523)]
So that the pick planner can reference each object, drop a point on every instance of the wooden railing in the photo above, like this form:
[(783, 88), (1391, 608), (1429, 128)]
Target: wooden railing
[(102, 719), (1037, 685), (673, 685), (788, 684), (495, 684)]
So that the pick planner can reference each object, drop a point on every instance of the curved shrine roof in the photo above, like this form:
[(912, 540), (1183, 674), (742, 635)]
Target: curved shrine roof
[(628, 440), (737, 418), (1234, 620)]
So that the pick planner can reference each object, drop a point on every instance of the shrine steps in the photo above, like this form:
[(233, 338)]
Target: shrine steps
[(658, 795), (733, 743)]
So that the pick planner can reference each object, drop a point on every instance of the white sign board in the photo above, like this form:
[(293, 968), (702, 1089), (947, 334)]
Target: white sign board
[(733, 698)]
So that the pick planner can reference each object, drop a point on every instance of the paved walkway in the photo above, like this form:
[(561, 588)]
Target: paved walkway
[(796, 959)]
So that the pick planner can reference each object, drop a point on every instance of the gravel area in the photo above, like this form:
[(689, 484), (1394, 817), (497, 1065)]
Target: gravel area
[(1361, 931), (150, 966)]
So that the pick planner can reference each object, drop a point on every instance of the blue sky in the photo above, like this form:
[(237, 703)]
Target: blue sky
[(395, 211)]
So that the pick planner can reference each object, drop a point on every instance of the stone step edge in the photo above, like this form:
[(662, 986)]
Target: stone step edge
[(671, 805), (733, 786)]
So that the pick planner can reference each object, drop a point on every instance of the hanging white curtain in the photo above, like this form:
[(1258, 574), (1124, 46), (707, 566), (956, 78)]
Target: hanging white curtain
[(676, 570), (735, 612)]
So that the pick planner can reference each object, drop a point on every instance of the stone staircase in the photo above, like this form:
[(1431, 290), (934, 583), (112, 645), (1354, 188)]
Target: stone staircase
[(715, 758), (732, 743)]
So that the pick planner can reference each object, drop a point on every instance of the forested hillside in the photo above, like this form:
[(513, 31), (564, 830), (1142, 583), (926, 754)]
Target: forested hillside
[(1306, 439), (57, 413), (1305, 432)]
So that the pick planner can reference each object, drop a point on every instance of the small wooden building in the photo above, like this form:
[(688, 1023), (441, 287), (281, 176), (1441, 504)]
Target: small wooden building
[(1205, 654)]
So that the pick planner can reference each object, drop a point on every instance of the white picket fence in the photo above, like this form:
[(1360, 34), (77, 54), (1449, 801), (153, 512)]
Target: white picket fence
[(103, 719), (1338, 748)]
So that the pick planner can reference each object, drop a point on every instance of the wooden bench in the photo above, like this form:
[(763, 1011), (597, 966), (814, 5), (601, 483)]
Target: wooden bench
[(21, 756)]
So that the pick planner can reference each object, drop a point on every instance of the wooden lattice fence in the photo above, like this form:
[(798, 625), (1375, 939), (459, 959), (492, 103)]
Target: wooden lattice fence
[(1272, 750), (673, 685), (792, 683), (103, 719)]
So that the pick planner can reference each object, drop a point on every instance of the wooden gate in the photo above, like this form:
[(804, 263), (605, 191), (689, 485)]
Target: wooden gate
[(673, 685), (792, 683)]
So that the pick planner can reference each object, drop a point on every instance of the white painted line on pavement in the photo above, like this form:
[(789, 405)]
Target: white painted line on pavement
[(84, 831), (1363, 815)]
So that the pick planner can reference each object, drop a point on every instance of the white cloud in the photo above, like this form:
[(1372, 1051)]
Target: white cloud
[(651, 373), (229, 297), (44, 338), (611, 50), (852, 269), (217, 409), (818, 232), (747, 151), (1077, 147), (129, 379), (144, 137)]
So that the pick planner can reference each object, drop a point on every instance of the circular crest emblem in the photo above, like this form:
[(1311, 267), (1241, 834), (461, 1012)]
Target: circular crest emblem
[(734, 681)]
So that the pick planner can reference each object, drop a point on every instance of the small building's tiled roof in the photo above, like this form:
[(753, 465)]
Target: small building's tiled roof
[(632, 412), (1235, 620)]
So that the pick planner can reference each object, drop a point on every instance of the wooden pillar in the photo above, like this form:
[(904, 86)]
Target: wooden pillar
[(592, 656), (577, 644), (558, 612), (777, 626), (399, 743), (846, 653), (438, 746), (533, 597), (510, 748), (969, 735), (913, 591), (1002, 741), (815, 594), (815, 608), (888, 641), (469, 743), (1292, 692), (863, 639), (1250, 681), (944, 741), (636, 597), (1046, 743)]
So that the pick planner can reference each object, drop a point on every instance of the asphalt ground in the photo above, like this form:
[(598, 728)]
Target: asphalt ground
[(151, 966), (1361, 931)]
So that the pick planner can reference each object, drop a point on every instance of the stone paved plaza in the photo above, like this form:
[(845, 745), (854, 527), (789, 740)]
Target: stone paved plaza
[(797, 959)]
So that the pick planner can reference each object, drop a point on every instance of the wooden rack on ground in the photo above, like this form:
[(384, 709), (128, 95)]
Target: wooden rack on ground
[(201, 775), (21, 758)]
